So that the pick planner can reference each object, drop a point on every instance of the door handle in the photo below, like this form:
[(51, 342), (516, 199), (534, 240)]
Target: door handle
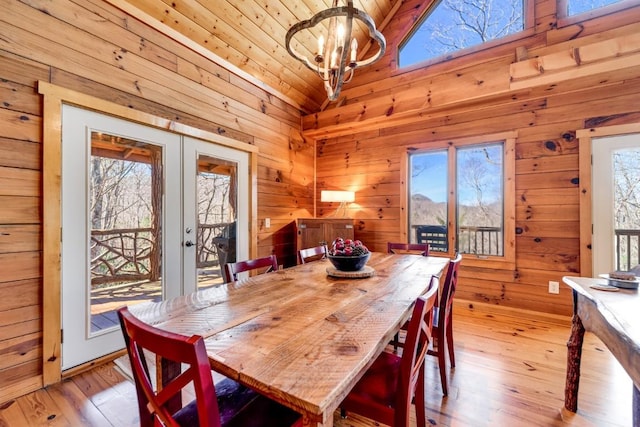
[(188, 243)]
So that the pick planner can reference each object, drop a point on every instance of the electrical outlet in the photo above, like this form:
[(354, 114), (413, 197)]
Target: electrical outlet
[(554, 287), (267, 222)]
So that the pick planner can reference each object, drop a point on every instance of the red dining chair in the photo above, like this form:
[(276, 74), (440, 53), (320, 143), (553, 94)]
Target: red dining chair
[(312, 254), (443, 322), (403, 248), (238, 406), (231, 269), (393, 382)]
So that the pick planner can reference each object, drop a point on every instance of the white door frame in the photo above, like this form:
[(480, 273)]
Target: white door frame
[(603, 148), (53, 99), (80, 345), (585, 137), (192, 149)]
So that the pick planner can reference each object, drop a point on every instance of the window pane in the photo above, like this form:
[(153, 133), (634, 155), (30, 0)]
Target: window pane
[(126, 226), (575, 7), (480, 210), (454, 25), (428, 201), (626, 202)]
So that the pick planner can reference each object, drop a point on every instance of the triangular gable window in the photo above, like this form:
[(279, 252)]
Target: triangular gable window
[(453, 25)]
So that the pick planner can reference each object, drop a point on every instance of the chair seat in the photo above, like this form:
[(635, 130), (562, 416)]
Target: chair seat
[(376, 390), (225, 404), (264, 412), (241, 406), (387, 389)]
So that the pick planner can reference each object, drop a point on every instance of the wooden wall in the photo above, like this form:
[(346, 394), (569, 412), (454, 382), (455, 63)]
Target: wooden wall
[(94, 48), (91, 47), (384, 112)]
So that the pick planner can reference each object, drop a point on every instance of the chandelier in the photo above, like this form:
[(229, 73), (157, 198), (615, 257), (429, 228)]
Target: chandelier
[(335, 60)]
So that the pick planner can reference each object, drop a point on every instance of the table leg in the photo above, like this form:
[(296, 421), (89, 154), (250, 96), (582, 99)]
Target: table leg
[(574, 355), (166, 371)]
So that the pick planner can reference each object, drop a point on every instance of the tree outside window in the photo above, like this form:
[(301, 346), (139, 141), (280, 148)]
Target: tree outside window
[(453, 25)]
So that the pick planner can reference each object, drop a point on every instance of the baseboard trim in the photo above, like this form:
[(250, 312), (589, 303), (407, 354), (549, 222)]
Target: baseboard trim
[(92, 364), (485, 308)]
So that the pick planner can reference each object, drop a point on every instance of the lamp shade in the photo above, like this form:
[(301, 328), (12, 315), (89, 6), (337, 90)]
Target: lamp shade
[(337, 196)]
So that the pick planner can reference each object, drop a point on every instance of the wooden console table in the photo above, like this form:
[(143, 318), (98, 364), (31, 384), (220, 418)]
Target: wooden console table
[(613, 317)]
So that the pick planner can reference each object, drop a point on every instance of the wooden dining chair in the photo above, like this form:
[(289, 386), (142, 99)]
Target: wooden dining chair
[(404, 248), (231, 269), (393, 382), (238, 406), (443, 322), (312, 254)]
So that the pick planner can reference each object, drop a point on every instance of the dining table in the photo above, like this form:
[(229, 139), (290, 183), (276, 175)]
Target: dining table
[(300, 335), (611, 314)]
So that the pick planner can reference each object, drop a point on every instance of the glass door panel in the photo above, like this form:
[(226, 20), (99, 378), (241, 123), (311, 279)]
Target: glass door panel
[(217, 187), (125, 210)]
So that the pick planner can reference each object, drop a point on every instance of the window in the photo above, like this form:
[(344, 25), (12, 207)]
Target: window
[(573, 11), (454, 25), (461, 197), (576, 7)]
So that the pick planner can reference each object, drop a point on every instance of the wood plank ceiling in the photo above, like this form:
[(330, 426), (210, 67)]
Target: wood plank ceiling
[(250, 35)]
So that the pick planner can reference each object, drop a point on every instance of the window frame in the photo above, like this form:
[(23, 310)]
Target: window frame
[(528, 30), (507, 261), (565, 20)]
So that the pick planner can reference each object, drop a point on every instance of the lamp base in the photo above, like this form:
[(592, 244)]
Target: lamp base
[(342, 208)]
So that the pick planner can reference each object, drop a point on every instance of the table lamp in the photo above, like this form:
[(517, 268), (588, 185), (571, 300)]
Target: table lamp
[(343, 197)]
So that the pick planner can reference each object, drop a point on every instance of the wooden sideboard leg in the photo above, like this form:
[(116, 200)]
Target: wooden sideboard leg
[(636, 406), (574, 355)]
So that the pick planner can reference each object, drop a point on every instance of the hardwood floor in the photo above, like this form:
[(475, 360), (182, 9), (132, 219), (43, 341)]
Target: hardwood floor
[(510, 372)]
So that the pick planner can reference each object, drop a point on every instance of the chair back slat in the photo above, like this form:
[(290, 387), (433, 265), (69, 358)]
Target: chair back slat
[(154, 406), (312, 254), (419, 335), (448, 291), (417, 248), (231, 269)]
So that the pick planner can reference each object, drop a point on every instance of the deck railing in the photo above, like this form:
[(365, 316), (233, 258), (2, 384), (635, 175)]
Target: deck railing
[(477, 240), (124, 255), (481, 240), (627, 249)]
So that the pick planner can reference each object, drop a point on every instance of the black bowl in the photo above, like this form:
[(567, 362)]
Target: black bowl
[(349, 263)]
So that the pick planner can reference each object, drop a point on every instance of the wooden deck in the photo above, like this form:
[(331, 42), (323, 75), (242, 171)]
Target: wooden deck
[(106, 300), (510, 372)]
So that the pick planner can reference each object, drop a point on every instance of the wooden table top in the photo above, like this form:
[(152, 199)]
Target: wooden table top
[(297, 335), (613, 317)]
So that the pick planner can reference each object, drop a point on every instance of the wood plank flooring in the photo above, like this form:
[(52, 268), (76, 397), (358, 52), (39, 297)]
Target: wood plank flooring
[(509, 372)]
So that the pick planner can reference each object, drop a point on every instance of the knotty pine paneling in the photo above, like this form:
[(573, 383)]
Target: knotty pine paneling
[(94, 48), (386, 112)]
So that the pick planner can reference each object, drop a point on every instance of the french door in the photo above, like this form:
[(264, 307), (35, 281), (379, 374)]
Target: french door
[(145, 214), (615, 202)]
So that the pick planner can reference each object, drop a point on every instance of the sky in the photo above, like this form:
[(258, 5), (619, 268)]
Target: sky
[(444, 31), (429, 173)]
